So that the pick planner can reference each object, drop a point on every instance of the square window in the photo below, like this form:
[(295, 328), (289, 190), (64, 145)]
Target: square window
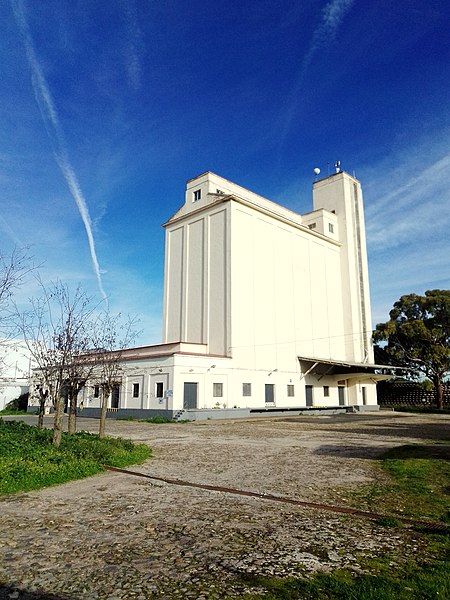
[(196, 195), (312, 225), (326, 390), (246, 389), (217, 390), (135, 390), (159, 389), (290, 390)]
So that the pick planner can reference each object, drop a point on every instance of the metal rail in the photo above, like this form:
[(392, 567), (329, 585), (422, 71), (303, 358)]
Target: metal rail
[(438, 527)]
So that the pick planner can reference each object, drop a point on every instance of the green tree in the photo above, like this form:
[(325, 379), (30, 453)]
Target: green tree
[(418, 336)]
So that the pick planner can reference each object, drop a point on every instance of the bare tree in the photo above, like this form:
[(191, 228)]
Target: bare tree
[(14, 269), (40, 390), (114, 335), (57, 329)]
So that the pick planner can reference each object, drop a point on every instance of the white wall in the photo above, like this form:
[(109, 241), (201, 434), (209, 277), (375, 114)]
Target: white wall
[(342, 193), (286, 293)]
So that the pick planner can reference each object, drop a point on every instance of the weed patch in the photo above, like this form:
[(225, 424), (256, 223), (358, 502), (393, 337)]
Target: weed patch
[(29, 461), (418, 487)]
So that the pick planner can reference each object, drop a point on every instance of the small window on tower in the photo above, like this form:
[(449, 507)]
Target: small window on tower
[(312, 225), (331, 227), (197, 195)]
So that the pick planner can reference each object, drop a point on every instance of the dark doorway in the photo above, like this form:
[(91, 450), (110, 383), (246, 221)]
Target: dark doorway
[(341, 393), (309, 395), (115, 396), (190, 395), (270, 393)]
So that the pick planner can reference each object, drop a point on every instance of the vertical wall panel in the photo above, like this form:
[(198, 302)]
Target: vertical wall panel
[(265, 306), (218, 292), (195, 282), (175, 286), (242, 288), (319, 311)]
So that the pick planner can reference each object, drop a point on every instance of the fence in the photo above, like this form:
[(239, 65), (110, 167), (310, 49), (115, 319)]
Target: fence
[(408, 394)]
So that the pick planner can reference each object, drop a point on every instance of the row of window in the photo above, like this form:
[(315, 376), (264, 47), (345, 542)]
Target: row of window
[(330, 226), (218, 390), (159, 390), (247, 389)]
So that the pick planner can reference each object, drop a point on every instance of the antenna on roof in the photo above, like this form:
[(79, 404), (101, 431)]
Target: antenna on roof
[(316, 173), (337, 166)]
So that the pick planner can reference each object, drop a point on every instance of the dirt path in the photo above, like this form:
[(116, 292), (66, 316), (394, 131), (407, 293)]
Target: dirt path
[(134, 538)]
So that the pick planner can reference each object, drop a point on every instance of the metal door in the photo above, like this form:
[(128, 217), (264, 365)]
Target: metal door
[(115, 396), (309, 395), (270, 393), (190, 395)]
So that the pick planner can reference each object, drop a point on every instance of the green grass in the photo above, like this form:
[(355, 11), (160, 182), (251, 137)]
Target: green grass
[(421, 583), (420, 481), (28, 460), (418, 486), (157, 420), (11, 412)]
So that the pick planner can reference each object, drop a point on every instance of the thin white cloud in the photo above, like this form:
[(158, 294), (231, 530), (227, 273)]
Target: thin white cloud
[(411, 208), (4, 225), (133, 44), (332, 16), (55, 132), (407, 222), (419, 184)]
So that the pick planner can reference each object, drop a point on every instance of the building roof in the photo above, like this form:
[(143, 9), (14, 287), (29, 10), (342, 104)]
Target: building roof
[(329, 367)]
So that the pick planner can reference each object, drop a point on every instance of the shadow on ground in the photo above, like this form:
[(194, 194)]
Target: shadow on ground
[(441, 451), (12, 593), (439, 431)]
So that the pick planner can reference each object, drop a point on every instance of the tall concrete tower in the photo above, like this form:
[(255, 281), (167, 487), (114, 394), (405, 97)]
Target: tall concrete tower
[(341, 194)]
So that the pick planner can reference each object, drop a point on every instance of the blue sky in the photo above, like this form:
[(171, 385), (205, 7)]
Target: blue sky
[(108, 107)]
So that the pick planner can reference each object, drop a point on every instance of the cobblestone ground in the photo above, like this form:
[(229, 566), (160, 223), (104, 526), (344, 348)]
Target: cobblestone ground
[(115, 536)]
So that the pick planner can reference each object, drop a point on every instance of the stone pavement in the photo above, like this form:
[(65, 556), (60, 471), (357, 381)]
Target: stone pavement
[(116, 536)]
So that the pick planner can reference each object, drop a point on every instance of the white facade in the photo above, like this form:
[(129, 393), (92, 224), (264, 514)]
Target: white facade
[(15, 370), (264, 308)]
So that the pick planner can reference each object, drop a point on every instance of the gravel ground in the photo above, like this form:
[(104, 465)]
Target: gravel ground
[(116, 536)]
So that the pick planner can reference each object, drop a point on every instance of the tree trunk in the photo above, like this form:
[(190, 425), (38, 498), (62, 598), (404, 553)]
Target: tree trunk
[(102, 425), (58, 421), (72, 426), (40, 423), (438, 393)]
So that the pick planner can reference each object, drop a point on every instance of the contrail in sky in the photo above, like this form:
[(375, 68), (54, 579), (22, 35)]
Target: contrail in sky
[(50, 116), (134, 43), (332, 16)]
